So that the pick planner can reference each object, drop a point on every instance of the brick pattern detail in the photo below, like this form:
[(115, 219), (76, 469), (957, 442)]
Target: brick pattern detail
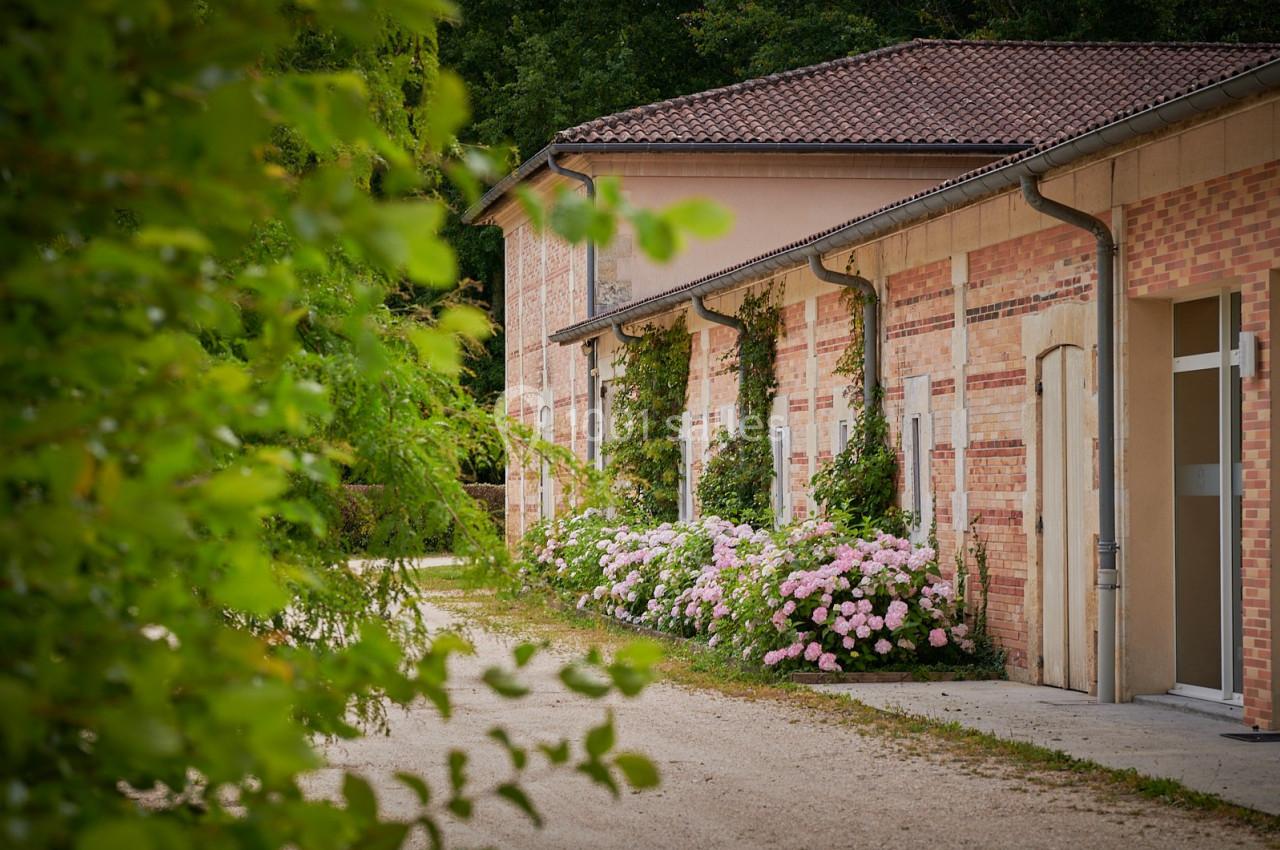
[(1221, 231)]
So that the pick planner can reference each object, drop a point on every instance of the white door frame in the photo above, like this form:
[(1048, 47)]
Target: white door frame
[(1221, 360)]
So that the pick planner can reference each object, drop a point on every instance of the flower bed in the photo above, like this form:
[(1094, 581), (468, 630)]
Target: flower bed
[(804, 598)]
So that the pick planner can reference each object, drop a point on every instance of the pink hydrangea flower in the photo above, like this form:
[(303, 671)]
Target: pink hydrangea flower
[(876, 623), (848, 643), (848, 608), (812, 651), (938, 637), (863, 631), (827, 663), (820, 615), (883, 646)]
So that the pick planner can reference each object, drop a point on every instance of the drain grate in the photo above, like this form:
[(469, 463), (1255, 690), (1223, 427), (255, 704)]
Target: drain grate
[(1254, 737)]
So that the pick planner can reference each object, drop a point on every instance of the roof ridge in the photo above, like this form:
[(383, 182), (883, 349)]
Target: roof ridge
[(777, 77), (912, 201), (744, 85), (1023, 42)]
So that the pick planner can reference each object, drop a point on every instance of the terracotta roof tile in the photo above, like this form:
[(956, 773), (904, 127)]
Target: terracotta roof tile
[(931, 92), (1248, 57)]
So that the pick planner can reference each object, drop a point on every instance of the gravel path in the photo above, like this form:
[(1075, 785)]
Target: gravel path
[(738, 774)]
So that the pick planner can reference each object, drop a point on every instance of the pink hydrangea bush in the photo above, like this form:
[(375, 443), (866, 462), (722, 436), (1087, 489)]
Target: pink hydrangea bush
[(806, 597)]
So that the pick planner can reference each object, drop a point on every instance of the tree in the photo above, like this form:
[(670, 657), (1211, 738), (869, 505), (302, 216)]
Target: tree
[(214, 216), (536, 67)]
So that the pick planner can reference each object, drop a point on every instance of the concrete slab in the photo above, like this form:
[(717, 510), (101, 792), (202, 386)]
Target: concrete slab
[(1154, 740)]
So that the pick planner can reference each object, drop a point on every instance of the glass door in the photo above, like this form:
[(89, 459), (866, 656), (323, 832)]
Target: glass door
[(1207, 503)]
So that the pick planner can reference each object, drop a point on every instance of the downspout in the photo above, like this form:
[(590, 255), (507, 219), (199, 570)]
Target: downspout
[(870, 323), (622, 336), (1107, 545), (729, 322), (593, 372)]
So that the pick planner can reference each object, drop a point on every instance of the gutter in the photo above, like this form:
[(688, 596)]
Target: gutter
[(545, 156), (980, 183), (729, 322), (1107, 546), (593, 345), (870, 321)]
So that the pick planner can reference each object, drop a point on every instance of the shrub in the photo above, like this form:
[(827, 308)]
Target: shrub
[(373, 522), (494, 499), (859, 483), (735, 481), (805, 597)]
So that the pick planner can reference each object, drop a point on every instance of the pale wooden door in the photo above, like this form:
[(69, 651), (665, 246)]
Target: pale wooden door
[(1065, 477)]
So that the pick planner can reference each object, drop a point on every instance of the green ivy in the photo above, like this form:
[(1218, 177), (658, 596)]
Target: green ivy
[(755, 354), (851, 363), (858, 486), (650, 399), (735, 483)]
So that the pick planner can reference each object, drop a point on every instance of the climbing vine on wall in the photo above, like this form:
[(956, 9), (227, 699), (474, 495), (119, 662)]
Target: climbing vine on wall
[(735, 483), (755, 353), (850, 364), (858, 485), (649, 401)]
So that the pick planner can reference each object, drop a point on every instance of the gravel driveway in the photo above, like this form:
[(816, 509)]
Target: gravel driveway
[(740, 774)]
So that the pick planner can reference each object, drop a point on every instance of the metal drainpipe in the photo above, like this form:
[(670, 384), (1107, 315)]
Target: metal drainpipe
[(622, 336), (870, 322), (729, 322), (593, 376), (1107, 545)]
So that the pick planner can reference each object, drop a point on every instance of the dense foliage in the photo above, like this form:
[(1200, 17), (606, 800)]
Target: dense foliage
[(649, 399), (735, 480), (803, 597), (859, 483), (223, 293)]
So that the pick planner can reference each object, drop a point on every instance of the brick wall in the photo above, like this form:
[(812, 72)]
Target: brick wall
[(545, 290), (1224, 231), (1218, 232)]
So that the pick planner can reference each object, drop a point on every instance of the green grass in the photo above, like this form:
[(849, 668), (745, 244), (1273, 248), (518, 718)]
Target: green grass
[(691, 665)]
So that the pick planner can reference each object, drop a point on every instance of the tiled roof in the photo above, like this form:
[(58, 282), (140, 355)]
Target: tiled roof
[(893, 215), (930, 92)]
